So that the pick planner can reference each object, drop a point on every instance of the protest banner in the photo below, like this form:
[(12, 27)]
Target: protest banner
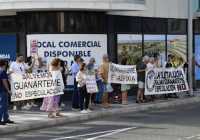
[(165, 81), (122, 74), (91, 84), (36, 85)]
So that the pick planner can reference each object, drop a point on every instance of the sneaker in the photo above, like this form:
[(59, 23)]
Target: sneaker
[(34, 105), (89, 111), (84, 112), (26, 107), (62, 105), (14, 108), (9, 121)]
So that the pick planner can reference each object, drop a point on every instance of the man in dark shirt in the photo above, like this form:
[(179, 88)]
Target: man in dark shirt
[(141, 69), (4, 91)]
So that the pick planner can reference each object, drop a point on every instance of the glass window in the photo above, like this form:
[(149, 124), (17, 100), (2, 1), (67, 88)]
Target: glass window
[(129, 46), (177, 47), (85, 22), (154, 26), (177, 26), (155, 46), (42, 22), (7, 24)]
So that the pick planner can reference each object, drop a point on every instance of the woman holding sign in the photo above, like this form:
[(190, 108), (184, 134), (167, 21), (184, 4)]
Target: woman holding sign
[(51, 104), (84, 95)]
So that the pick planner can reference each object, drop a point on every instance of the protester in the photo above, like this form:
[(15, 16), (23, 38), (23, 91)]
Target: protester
[(30, 61), (141, 79), (104, 69), (39, 65), (51, 104), (4, 93), (91, 70), (64, 76), (100, 85), (171, 64), (151, 63), (124, 87), (84, 96), (19, 67), (75, 69)]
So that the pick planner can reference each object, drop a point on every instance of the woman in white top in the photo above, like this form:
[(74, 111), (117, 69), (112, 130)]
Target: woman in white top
[(84, 96)]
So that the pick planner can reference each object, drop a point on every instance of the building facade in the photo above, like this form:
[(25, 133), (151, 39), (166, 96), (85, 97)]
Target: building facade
[(133, 27)]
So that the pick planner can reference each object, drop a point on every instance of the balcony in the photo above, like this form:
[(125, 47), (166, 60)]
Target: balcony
[(103, 5)]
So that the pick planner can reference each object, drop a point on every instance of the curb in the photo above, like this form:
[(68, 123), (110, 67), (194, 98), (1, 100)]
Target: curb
[(98, 114)]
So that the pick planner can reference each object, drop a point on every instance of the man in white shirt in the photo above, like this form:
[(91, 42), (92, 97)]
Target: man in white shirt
[(19, 67)]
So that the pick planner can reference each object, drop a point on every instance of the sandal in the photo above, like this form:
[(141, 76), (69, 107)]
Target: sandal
[(51, 116), (59, 115)]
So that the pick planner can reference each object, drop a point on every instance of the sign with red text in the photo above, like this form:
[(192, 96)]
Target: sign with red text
[(165, 81)]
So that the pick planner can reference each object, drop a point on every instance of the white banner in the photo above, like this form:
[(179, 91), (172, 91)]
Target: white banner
[(91, 84), (165, 81), (36, 85), (122, 74), (65, 46)]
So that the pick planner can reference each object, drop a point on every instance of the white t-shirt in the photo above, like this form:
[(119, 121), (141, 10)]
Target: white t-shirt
[(19, 68)]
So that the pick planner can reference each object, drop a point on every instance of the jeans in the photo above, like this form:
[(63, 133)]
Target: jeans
[(75, 96), (84, 98), (101, 91), (4, 107)]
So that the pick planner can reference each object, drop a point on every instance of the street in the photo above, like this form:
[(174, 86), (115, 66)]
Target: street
[(180, 123)]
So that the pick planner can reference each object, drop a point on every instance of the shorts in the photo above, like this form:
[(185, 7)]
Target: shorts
[(141, 85), (125, 87)]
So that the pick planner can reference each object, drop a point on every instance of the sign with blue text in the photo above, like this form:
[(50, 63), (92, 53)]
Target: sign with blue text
[(66, 46)]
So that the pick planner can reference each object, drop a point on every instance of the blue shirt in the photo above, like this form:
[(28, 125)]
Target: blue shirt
[(75, 69), (3, 76)]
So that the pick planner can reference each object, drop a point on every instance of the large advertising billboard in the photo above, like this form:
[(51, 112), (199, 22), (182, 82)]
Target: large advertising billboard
[(8, 47), (65, 46), (154, 45), (177, 47), (129, 46)]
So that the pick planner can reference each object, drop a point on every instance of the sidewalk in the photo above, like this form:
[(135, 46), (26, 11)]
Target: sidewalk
[(29, 120)]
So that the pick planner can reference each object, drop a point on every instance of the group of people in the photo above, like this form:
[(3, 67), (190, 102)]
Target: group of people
[(151, 63), (81, 99)]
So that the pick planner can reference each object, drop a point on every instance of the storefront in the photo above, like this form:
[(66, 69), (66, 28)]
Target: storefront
[(138, 35), (132, 33)]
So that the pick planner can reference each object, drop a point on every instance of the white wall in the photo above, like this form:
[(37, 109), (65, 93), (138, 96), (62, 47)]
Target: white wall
[(106, 5), (160, 8)]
